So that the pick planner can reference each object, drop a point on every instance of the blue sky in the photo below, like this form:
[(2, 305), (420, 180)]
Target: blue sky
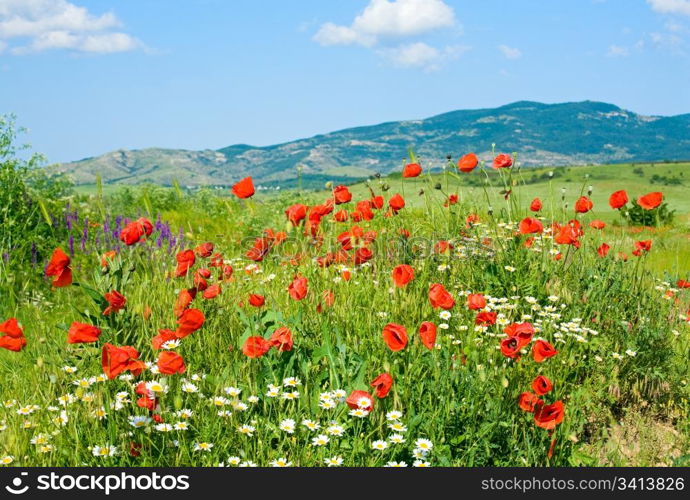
[(91, 76)]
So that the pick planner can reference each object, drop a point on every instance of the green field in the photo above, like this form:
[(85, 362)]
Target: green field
[(619, 325)]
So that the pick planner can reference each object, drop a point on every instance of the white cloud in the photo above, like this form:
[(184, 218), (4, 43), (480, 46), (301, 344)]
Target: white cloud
[(39, 25), (666, 41), (671, 6), (617, 51), (389, 18), (421, 55), (510, 52), (332, 34)]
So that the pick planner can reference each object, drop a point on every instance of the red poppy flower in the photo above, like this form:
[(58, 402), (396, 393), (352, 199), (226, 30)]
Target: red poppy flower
[(597, 224), (185, 260), (377, 201), (255, 347), (527, 401), (402, 275), (134, 449), (227, 271), (471, 219), (146, 225), (364, 209), (382, 385), (116, 302), (281, 339), (603, 250), (296, 213), (58, 267), (679, 284), (476, 301), (468, 162), (170, 363), (427, 332), (184, 299), (486, 318), (360, 399), (116, 360), (452, 200), (642, 247), (542, 350), (341, 195), (439, 297), (510, 347), (395, 336), (199, 282), (107, 257), (256, 300), (583, 205), (541, 385), (363, 255), (212, 292), (568, 235), (162, 337), (618, 199), (80, 333), (15, 344), (328, 297), (503, 161), (259, 249), (442, 247), (190, 321), (530, 225), (650, 201), (341, 216), (524, 331), (549, 416), (12, 328), (148, 399), (204, 250), (13, 340), (244, 188), (298, 288), (133, 232), (412, 170), (536, 205), (396, 203)]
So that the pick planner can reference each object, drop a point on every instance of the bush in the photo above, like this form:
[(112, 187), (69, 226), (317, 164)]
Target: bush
[(29, 194), (659, 216)]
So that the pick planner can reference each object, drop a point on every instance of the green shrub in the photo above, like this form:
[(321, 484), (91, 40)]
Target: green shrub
[(659, 216), (30, 194)]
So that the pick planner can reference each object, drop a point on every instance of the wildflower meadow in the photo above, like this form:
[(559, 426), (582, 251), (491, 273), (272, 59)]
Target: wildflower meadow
[(448, 316)]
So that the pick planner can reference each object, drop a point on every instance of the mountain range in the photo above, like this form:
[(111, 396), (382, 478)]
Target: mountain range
[(541, 134)]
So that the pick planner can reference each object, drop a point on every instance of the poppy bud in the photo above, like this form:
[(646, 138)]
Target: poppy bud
[(438, 186)]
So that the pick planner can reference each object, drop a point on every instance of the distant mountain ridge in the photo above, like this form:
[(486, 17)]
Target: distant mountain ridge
[(542, 134)]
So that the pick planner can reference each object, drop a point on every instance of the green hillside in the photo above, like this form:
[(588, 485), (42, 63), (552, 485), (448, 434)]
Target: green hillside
[(543, 134)]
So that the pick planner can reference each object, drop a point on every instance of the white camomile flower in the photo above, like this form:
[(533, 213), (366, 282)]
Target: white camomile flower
[(379, 445), (203, 446), (104, 451)]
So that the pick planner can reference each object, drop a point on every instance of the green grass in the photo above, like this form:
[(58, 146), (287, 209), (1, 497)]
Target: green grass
[(619, 329)]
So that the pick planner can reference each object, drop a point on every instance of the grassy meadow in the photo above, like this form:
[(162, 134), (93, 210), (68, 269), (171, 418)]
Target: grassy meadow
[(424, 335)]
